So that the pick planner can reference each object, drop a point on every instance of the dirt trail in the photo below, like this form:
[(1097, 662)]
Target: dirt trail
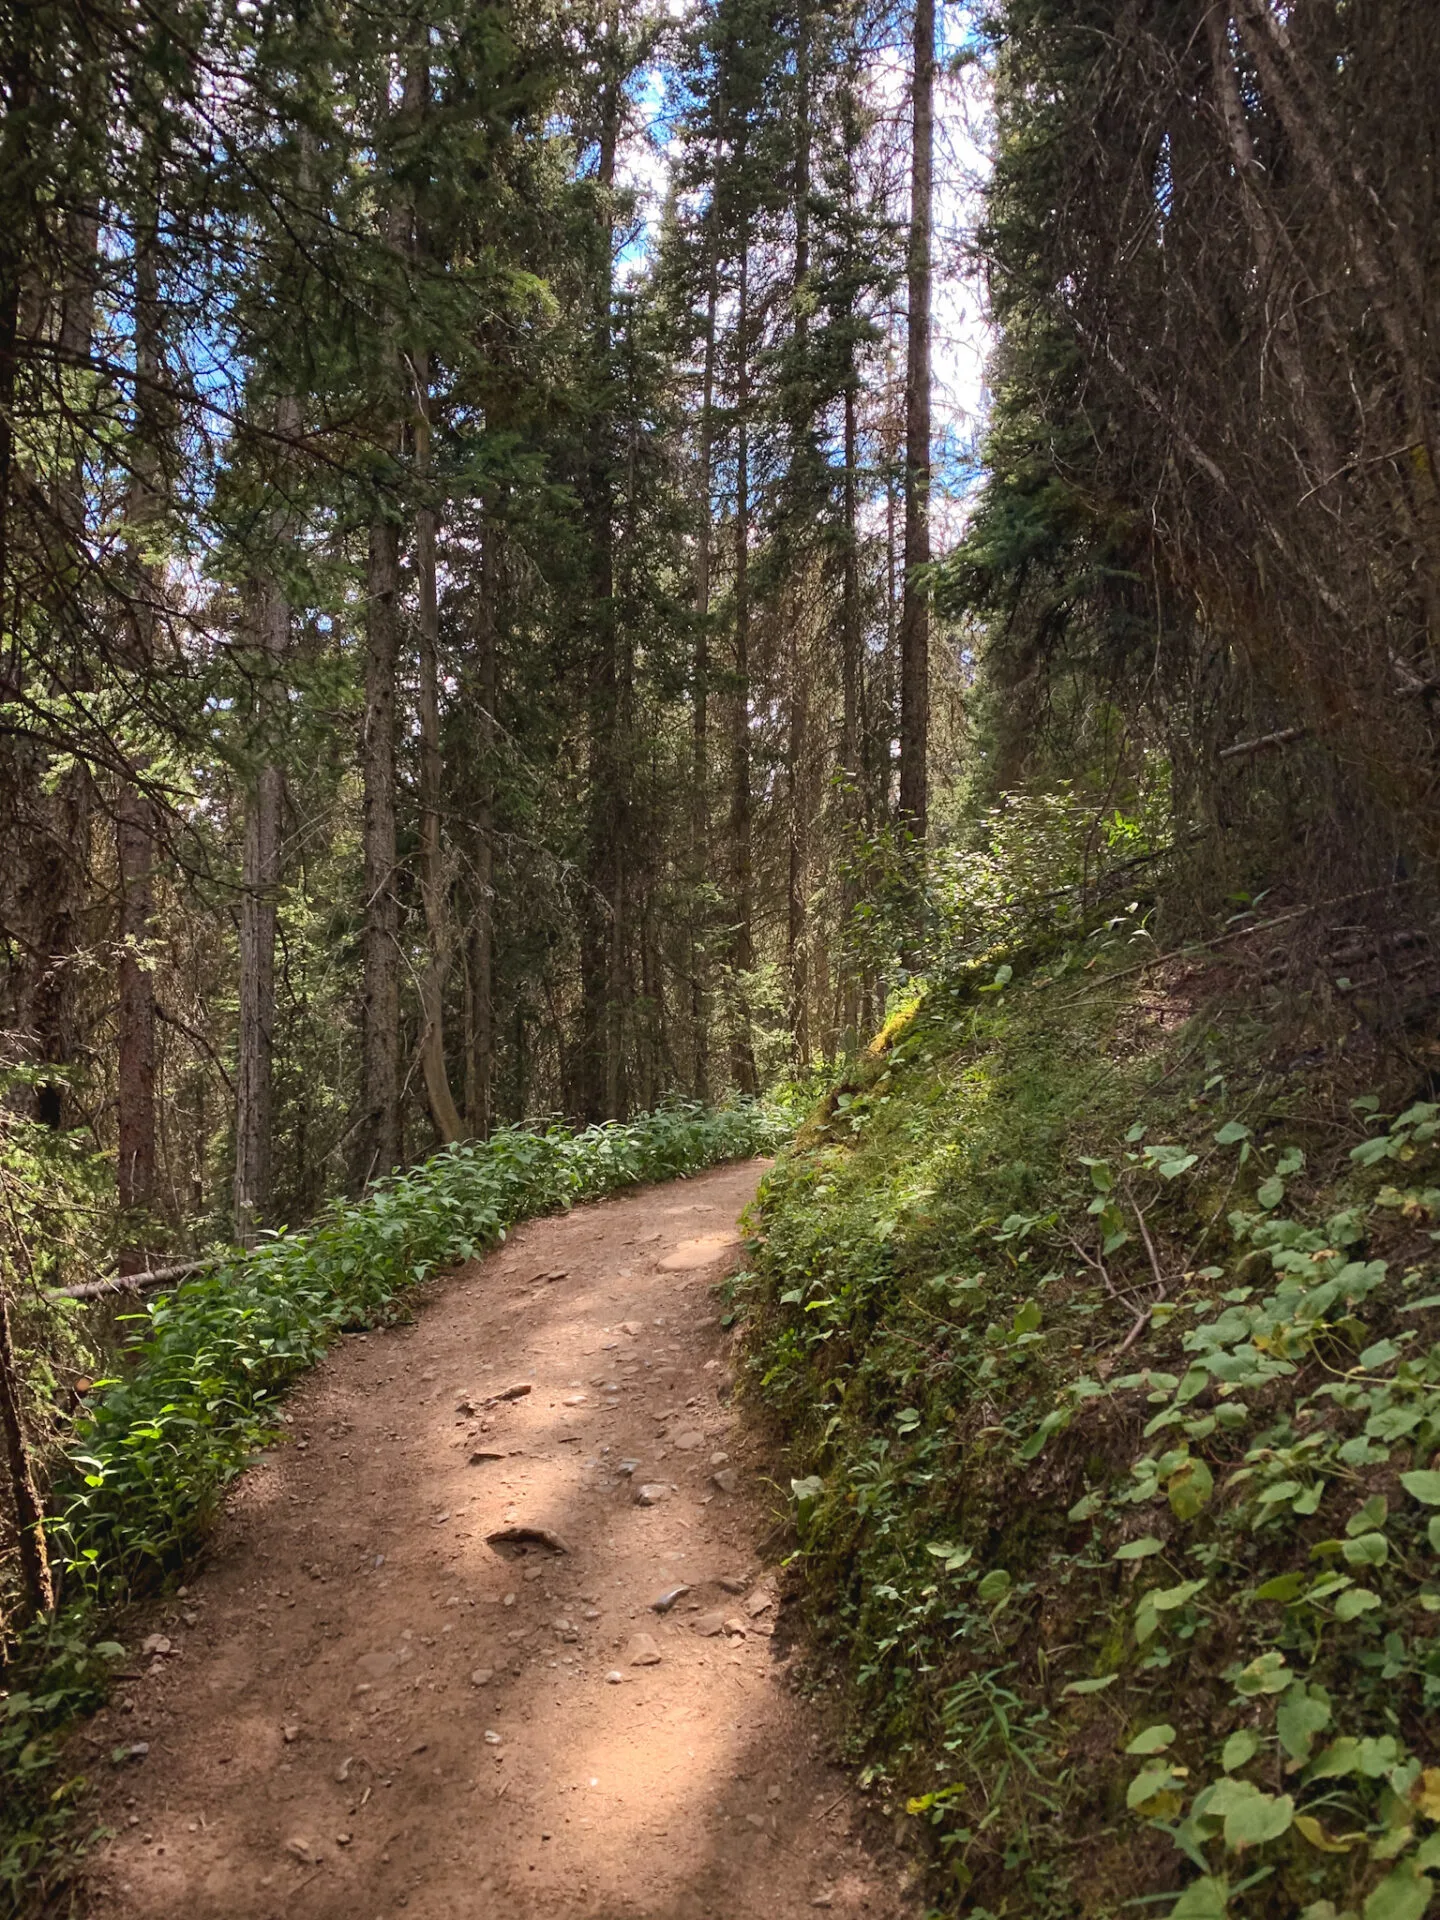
[(361, 1706)]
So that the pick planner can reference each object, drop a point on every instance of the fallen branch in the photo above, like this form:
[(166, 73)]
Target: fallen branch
[(1282, 737), (134, 1283)]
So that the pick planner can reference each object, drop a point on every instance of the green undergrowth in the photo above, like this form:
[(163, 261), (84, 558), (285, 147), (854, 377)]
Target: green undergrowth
[(199, 1388), (1104, 1318)]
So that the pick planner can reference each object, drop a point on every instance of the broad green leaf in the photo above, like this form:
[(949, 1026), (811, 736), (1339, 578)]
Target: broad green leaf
[(1422, 1486), (1285, 1586), (1357, 1601), (1150, 1783), (1091, 1686), (1232, 1133), (1251, 1816), (994, 1588), (1267, 1674), (1153, 1740), (1139, 1549), (1205, 1899), (1189, 1489), (1271, 1193), (1299, 1717), (1367, 1550), (1240, 1749), (1403, 1894)]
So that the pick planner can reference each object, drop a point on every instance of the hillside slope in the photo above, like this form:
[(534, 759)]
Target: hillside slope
[(1103, 1313)]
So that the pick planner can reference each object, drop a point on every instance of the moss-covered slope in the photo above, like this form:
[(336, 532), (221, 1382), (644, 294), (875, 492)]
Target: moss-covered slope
[(1104, 1319)]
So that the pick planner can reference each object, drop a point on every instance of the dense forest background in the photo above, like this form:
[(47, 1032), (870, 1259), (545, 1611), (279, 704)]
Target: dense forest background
[(459, 605)]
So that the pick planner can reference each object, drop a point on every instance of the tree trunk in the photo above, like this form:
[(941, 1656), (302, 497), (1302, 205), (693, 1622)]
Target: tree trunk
[(135, 822), (380, 939), (700, 799), (29, 1514), (602, 927), (260, 880), (742, 950), (433, 891), (379, 1130), (481, 1092), (915, 608)]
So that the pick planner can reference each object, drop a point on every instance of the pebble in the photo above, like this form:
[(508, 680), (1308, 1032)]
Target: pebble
[(482, 1454), (627, 1467), (760, 1601), (707, 1625), (156, 1643), (663, 1602), (642, 1652), (719, 1459), (482, 1676), (573, 1400), (300, 1850), (689, 1440), (614, 1677), (732, 1583), (492, 1739), (727, 1480), (651, 1494), (291, 1734)]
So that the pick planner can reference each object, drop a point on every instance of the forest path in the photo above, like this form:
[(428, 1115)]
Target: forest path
[(363, 1707)]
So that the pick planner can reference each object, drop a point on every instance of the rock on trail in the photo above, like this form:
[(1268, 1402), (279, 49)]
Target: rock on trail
[(491, 1636)]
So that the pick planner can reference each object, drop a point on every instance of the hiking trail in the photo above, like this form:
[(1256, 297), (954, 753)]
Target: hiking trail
[(361, 1705)]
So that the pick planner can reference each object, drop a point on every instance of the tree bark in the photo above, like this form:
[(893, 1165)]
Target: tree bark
[(433, 891), (602, 916), (259, 884), (379, 1130), (135, 824), (29, 1514), (915, 606), (380, 940), (742, 947), (481, 1092)]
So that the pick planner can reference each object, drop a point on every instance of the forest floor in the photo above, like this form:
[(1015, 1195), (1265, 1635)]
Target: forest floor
[(361, 1704)]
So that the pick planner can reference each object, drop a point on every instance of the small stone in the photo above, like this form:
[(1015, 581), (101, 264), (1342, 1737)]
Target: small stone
[(492, 1739), (342, 1839), (760, 1601), (300, 1850), (735, 1626), (592, 1613), (573, 1400), (292, 1734), (663, 1602), (155, 1643), (482, 1454), (732, 1583), (517, 1392), (719, 1459), (627, 1467), (633, 1327), (688, 1440), (755, 1820), (823, 1900), (482, 1676), (727, 1480), (191, 1619), (707, 1625), (342, 1772), (651, 1494), (439, 1519), (429, 1374), (642, 1652), (772, 1793), (614, 1677)]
